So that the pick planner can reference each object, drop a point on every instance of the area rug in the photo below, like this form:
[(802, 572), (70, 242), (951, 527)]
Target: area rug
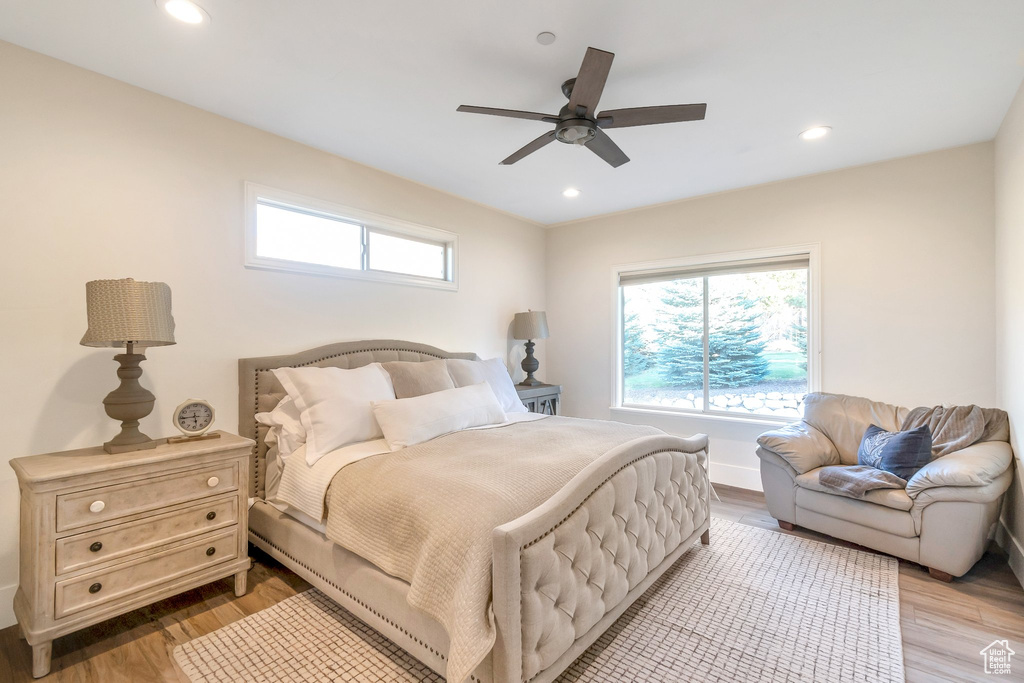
[(755, 605)]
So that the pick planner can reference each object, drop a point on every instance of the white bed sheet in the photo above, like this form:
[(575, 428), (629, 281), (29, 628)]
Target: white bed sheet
[(303, 487)]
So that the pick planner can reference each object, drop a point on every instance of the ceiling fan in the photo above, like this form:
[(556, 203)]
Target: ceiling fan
[(579, 124)]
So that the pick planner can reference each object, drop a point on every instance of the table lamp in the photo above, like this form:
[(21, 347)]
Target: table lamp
[(134, 315), (529, 326)]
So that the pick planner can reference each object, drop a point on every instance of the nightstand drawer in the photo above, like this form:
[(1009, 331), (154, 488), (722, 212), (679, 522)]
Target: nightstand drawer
[(97, 588), (102, 545), (111, 502)]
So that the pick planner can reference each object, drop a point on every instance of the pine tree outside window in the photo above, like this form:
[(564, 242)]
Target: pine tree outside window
[(723, 336)]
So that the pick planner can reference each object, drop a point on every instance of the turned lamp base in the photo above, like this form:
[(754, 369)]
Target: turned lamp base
[(530, 365), (129, 403)]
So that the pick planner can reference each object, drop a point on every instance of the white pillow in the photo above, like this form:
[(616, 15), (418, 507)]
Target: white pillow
[(286, 428), (286, 435), (467, 372), (409, 421), (334, 404)]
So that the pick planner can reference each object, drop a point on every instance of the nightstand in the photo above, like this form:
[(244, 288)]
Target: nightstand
[(540, 398), (104, 534)]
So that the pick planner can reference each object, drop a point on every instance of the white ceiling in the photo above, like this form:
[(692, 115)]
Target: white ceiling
[(378, 81)]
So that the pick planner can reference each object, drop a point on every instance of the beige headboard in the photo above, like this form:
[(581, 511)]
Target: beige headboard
[(259, 390)]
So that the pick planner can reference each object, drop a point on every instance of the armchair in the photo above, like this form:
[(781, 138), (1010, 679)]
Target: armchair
[(943, 519)]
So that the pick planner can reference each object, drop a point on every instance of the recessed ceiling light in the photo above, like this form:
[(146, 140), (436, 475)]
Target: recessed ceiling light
[(570, 192), (546, 38), (183, 10), (816, 132)]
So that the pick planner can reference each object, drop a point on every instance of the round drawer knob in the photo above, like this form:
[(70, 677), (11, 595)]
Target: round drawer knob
[(211, 516), (95, 588), (212, 481), (97, 506), (211, 550), (96, 547)]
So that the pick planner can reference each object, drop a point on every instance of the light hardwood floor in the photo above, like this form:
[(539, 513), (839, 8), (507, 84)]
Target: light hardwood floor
[(944, 625)]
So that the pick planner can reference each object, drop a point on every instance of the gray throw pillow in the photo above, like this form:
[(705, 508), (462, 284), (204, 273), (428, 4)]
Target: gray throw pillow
[(411, 378), (899, 453)]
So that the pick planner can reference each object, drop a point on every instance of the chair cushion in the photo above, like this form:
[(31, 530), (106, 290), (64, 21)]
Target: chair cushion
[(844, 419), (879, 517), (897, 499)]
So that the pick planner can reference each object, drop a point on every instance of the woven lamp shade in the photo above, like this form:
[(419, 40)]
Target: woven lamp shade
[(123, 311), (530, 325)]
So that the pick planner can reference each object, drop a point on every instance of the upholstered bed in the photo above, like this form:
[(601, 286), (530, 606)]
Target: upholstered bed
[(560, 574)]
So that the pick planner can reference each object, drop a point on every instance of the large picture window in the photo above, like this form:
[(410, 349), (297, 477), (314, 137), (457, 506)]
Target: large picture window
[(285, 231), (721, 336)]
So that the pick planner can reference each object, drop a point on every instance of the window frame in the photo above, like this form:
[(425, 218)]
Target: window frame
[(367, 221), (812, 252)]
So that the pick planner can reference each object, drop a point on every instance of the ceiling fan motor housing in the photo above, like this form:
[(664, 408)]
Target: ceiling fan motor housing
[(576, 131), (574, 128)]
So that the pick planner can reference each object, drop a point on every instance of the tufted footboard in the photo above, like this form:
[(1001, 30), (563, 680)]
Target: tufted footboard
[(565, 571)]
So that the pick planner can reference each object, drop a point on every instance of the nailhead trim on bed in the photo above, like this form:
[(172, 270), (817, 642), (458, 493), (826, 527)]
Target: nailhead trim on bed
[(352, 597), (349, 353), (256, 459)]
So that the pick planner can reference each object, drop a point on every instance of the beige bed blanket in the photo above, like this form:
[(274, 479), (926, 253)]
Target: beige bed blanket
[(425, 513)]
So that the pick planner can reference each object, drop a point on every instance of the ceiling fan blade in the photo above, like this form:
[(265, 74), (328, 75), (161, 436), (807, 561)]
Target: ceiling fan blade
[(529, 149), (510, 113), (602, 146), (645, 116), (586, 92)]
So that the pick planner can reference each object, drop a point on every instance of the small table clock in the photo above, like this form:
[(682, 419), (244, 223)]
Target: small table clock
[(193, 418)]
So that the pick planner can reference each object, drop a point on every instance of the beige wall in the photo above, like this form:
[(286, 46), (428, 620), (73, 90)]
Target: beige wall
[(907, 252), (99, 179), (1009, 177)]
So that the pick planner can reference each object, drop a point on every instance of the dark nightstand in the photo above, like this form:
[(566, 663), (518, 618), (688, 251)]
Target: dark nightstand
[(540, 398)]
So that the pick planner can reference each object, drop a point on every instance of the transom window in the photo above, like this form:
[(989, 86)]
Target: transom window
[(720, 335), (285, 231)]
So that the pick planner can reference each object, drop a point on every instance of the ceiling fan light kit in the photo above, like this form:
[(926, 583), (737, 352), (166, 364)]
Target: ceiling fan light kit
[(578, 123), (576, 132)]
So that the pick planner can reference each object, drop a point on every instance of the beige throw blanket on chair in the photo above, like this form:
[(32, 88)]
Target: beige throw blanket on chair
[(957, 427), (425, 513)]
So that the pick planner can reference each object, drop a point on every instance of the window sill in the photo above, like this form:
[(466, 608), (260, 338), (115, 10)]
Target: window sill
[(263, 263), (758, 420)]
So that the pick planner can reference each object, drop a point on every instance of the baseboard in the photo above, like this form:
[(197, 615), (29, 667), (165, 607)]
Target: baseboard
[(1013, 547), (734, 475), (7, 605)]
